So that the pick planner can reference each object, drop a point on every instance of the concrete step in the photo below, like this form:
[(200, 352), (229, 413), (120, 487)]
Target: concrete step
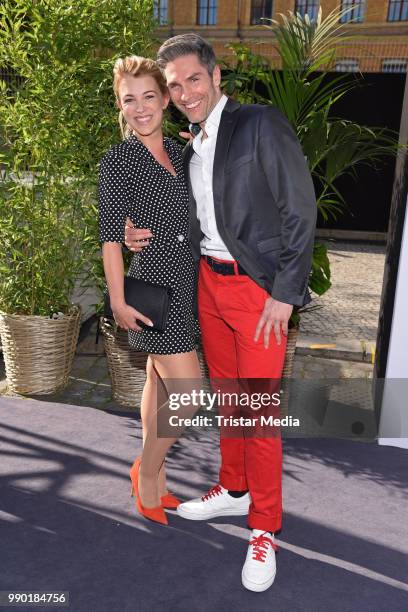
[(336, 348), (351, 235)]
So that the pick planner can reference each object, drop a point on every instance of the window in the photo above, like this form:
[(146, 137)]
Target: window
[(347, 65), (207, 12), (398, 10), (309, 7), (355, 12), (260, 9), (160, 11), (394, 65)]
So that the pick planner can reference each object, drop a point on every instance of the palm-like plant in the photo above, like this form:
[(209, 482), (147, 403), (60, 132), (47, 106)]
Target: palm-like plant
[(333, 147)]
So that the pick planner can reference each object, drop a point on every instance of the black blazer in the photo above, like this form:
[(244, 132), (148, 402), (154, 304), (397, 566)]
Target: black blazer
[(264, 199)]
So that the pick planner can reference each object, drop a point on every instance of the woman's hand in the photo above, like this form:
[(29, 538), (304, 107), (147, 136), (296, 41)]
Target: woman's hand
[(186, 136), (125, 316)]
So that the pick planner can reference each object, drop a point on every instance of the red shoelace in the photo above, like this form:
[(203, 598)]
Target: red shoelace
[(215, 490), (260, 544)]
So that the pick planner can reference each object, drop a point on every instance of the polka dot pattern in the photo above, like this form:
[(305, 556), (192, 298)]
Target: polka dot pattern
[(133, 184)]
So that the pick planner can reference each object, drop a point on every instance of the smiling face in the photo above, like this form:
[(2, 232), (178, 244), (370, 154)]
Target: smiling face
[(191, 88), (142, 104)]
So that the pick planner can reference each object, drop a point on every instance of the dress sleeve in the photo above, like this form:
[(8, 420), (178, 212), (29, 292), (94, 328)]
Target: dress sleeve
[(114, 198)]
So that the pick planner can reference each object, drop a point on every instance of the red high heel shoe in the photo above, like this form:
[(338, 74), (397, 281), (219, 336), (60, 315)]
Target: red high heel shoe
[(169, 501), (156, 514)]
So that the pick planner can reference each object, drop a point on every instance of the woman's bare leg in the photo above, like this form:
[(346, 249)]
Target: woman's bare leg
[(181, 374), (154, 395)]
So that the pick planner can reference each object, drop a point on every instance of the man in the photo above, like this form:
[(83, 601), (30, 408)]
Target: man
[(252, 221)]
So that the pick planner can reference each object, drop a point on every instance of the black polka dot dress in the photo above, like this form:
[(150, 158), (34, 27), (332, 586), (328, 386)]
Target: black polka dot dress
[(133, 184)]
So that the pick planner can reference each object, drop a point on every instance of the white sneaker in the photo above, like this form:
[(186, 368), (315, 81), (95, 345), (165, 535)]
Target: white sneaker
[(259, 568), (217, 502)]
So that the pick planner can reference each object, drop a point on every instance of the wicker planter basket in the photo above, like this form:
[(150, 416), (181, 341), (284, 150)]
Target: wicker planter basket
[(39, 351), (127, 367), (293, 333), (287, 371)]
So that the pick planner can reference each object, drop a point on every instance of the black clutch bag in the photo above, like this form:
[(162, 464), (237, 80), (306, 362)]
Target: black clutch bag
[(151, 300)]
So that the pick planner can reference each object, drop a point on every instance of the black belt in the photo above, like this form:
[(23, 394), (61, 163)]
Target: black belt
[(225, 268)]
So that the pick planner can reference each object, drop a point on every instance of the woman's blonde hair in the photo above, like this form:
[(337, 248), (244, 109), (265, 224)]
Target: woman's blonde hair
[(135, 66)]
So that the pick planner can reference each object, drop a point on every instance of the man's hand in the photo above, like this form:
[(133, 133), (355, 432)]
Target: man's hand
[(275, 315), (135, 238)]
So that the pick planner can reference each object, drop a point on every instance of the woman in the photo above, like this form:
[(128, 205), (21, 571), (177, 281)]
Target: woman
[(142, 178)]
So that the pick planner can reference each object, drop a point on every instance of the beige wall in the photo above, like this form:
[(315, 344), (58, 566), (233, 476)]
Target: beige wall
[(185, 12), (380, 39)]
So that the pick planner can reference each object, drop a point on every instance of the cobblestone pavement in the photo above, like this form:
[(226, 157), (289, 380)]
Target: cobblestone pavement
[(350, 308), (308, 367)]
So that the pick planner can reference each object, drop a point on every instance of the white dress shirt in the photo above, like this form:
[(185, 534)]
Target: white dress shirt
[(201, 175)]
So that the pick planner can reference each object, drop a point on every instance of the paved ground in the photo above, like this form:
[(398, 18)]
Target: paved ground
[(350, 308)]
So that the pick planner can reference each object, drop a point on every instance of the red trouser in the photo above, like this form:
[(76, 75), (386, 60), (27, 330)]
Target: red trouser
[(229, 310)]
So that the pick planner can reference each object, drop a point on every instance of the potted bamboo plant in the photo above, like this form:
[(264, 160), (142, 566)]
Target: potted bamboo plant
[(56, 122)]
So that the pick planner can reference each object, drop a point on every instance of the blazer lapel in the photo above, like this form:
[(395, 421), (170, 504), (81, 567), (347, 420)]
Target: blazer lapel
[(194, 226), (229, 118), (187, 155)]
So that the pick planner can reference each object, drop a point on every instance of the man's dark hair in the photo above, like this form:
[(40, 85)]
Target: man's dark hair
[(187, 44)]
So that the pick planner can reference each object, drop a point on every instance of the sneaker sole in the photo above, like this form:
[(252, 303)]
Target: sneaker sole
[(254, 586), (199, 517)]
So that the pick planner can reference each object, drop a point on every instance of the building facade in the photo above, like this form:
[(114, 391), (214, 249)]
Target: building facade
[(380, 26)]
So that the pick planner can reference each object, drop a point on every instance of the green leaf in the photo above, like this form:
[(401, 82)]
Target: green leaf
[(319, 279)]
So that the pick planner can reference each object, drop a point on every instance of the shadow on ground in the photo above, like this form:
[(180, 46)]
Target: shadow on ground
[(67, 521)]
